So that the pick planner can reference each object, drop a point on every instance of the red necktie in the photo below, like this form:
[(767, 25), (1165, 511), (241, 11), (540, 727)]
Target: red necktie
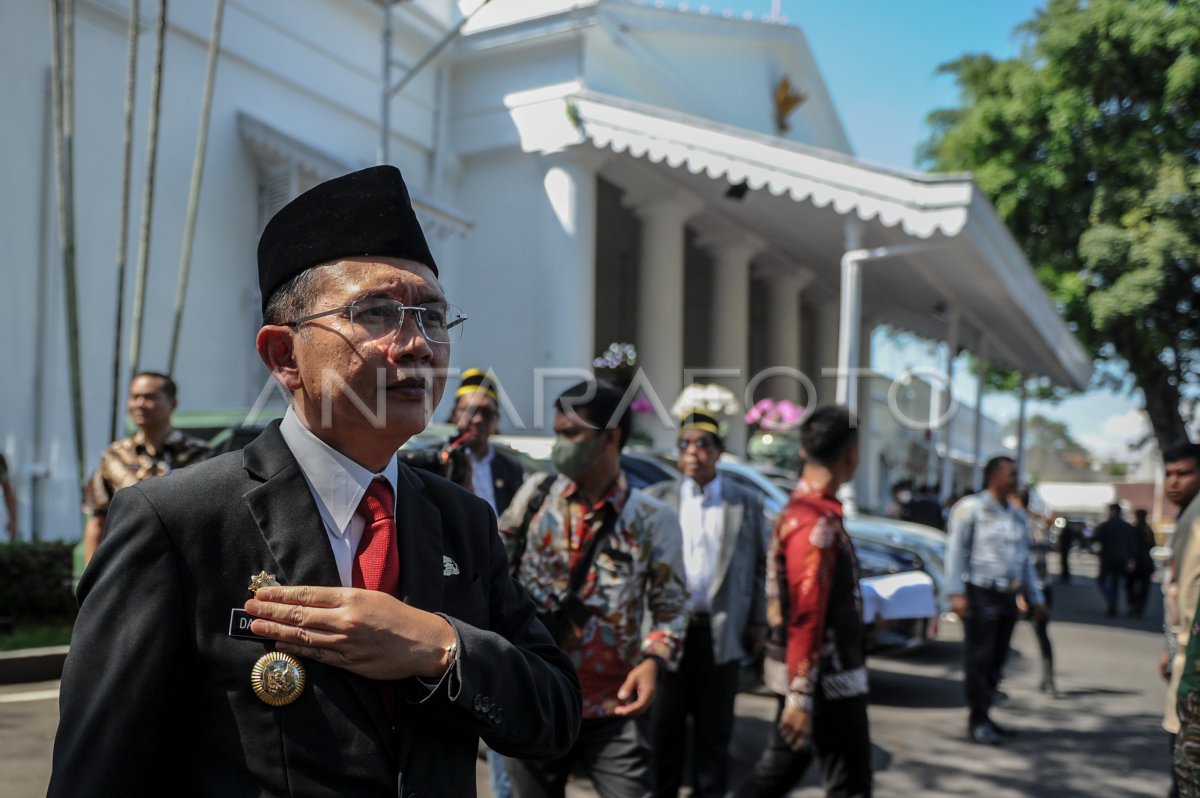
[(377, 562)]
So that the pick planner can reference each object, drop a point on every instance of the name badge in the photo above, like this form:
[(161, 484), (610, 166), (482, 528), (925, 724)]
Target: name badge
[(239, 626)]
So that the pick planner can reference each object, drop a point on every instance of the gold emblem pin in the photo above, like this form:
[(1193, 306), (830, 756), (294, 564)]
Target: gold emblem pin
[(260, 580), (278, 678)]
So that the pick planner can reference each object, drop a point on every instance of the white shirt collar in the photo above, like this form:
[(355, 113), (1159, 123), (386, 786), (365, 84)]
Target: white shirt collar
[(337, 482), (486, 459), (691, 488)]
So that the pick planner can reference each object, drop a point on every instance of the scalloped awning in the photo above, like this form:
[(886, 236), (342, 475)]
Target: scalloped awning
[(921, 205), (973, 264)]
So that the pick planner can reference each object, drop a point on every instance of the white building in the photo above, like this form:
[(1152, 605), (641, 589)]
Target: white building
[(591, 171)]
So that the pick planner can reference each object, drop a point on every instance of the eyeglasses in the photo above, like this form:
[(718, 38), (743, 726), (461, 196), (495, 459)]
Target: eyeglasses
[(439, 322), (702, 444)]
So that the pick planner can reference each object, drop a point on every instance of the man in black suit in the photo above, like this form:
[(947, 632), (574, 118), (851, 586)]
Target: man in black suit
[(385, 635), (495, 476)]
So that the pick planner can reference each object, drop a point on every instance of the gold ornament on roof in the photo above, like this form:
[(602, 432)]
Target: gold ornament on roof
[(787, 99)]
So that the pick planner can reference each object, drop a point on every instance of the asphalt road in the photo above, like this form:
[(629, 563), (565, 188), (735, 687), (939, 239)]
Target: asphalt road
[(1101, 738)]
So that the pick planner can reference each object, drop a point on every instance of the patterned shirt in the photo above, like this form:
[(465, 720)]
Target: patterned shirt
[(129, 461), (639, 567), (814, 607)]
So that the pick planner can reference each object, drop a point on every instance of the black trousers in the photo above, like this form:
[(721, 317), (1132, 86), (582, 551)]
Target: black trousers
[(614, 753), (1137, 590), (703, 691), (988, 628), (841, 744)]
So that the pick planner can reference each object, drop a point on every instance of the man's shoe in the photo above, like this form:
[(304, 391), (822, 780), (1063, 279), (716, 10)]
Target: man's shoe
[(985, 734), (1003, 731)]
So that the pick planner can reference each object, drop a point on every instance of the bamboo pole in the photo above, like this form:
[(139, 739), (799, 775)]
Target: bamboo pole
[(139, 286), (123, 226), (189, 230), (62, 67)]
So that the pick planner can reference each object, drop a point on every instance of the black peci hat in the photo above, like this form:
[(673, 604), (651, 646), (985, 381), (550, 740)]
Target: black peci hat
[(360, 214)]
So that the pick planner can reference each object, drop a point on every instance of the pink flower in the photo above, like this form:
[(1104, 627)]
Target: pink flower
[(641, 405), (775, 415)]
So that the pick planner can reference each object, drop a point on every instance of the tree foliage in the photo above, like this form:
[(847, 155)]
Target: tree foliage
[(1088, 146)]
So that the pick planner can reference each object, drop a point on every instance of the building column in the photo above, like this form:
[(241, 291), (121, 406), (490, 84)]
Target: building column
[(946, 477), (977, 433), (568, 245), (783, 331), (660, 309), (730, 328)]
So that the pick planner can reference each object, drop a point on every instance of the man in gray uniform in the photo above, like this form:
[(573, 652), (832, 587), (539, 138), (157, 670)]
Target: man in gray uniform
[(988, 565)]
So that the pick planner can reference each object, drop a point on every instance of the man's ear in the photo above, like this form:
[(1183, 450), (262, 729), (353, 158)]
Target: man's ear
[(276, 348)]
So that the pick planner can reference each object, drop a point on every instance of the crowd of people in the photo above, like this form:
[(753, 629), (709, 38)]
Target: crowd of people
[(325, 620)]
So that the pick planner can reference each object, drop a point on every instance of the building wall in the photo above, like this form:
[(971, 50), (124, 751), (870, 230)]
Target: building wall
[(309, 68)]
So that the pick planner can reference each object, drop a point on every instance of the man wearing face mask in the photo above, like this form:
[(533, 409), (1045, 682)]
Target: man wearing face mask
[(595, 555)]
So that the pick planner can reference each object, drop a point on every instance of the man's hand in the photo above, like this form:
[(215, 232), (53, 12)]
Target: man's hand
[(12, 528), (795, 727), (638, 686), (1022, 604), (366, 632), (959, 606), (1164, 666)]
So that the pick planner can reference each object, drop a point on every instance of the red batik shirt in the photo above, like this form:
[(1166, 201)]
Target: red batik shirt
[(814, 607)]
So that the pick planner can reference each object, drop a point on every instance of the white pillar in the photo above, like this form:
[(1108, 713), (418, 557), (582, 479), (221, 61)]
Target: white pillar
[(568, 243), (1024, 397), (850, 315), (947, 475), (730, 328), (783, 331), (980, 376), (660, 306)]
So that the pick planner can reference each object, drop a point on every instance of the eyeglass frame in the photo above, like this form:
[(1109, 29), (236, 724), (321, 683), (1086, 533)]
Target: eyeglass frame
[(399, 324), (705, 444)]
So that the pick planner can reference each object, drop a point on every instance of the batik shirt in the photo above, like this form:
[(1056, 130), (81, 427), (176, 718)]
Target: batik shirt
[(639, 567), (129, 461), (814, 607)]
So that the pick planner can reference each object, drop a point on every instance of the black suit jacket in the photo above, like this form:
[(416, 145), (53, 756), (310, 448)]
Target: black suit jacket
[(156, 695), (507, 478)]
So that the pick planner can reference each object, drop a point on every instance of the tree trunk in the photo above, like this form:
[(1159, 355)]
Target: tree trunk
[(1162, 404)]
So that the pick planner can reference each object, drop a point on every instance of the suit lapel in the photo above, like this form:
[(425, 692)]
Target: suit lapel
[(290, 523), (287, 515), (419, 540), (731, 524)]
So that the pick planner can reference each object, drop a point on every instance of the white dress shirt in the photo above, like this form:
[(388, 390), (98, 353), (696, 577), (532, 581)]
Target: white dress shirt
[(701, 517), (338, 485), (481, 477)]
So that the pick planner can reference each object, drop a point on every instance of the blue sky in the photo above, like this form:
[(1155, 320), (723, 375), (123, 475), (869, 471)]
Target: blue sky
[(878, 58)]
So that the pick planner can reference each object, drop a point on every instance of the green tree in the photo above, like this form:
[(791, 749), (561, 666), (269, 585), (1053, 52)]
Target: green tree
[(1089, 146)]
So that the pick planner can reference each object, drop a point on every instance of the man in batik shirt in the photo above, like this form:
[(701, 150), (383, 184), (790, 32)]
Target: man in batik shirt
[(155, 449), (594, 555), (815, 646)]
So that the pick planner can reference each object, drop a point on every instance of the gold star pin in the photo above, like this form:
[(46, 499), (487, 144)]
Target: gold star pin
[(260, 580)]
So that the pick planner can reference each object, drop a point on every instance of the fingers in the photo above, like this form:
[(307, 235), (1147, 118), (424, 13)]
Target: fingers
[(297, 615), (307, 595), (297, 635)]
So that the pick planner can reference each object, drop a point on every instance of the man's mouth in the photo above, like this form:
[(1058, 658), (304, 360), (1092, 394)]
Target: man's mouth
[(409, 386)]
